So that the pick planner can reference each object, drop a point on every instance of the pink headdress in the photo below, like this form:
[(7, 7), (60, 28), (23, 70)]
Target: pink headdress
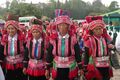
[(95, 21)]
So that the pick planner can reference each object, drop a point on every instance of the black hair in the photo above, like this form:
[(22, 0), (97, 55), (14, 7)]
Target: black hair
[(93, 18), (91, 32)]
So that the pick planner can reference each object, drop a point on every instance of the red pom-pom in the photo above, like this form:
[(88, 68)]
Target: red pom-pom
[(92, 18), (10, 16), (35, 21)]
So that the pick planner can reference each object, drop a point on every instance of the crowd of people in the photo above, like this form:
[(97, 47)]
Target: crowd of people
[(60, 49)]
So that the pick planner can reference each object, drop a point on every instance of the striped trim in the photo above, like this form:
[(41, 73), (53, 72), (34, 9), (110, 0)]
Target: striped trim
[(16, 46), (95, 45), (40, 50)]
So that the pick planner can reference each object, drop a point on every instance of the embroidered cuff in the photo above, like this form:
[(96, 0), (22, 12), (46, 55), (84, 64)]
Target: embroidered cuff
[(48, 66), (80, 65)]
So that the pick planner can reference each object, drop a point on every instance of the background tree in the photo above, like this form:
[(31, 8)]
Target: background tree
[(98, 7), (77, 8), (113, 6)]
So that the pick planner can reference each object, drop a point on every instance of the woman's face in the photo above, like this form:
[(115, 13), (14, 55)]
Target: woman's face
[(36, 34), (98, 31), (11, 30), (63, 28)]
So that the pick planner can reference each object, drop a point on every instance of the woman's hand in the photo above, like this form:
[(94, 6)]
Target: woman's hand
[(47, 74), (111, 46), (24, 70)]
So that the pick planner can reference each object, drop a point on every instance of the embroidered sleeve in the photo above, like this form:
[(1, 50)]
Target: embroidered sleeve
[(77, 55), (26, 58), (86, 56), (1, 53), (49, 56), (74, 39)]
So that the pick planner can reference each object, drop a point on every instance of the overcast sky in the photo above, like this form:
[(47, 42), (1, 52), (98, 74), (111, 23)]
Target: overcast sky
[(106, 2)]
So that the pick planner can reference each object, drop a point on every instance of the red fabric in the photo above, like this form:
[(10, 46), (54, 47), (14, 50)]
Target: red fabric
[(54, 35), (10, 16), (4, 40), (110, 72), (92, 73), (36, 27), (21, 38), (95, 24), (91, 67), (63, 19), (36, 72), (50, 28), (73, 73), (29, 35), (95, 21), (22, 27), (13, 66), (92, 18), (54, 73), (35, 21), (13, 23), (3, 65), (47, 22), (4, 32), (58, 12)]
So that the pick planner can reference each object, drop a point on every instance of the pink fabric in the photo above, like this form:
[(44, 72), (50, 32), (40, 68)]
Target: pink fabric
[(9, 42), (13, 66), (63, 19), (54, 46), (13, 23), (66, 47), (104, 42), (35, 72), (36, 27), (96, 23), (33, 48), (59, 47), (73, 73), (73, 42), (94, 46), (39, 50), (15, 47), (54, 73)]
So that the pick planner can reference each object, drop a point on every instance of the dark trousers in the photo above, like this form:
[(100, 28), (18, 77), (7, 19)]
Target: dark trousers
[(105, 73), (15, 75), (37, 78), (63, 74)]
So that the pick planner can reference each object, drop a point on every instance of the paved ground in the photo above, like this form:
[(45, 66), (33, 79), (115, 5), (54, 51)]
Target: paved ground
[(116, 75), (116, 72)]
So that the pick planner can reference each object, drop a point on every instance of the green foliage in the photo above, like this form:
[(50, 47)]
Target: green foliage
[(77, 8), (113, 6)]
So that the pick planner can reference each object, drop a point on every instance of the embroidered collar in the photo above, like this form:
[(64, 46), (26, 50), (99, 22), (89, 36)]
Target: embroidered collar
[(14, 37), (65, 36), (98, 37), (39, 40)]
